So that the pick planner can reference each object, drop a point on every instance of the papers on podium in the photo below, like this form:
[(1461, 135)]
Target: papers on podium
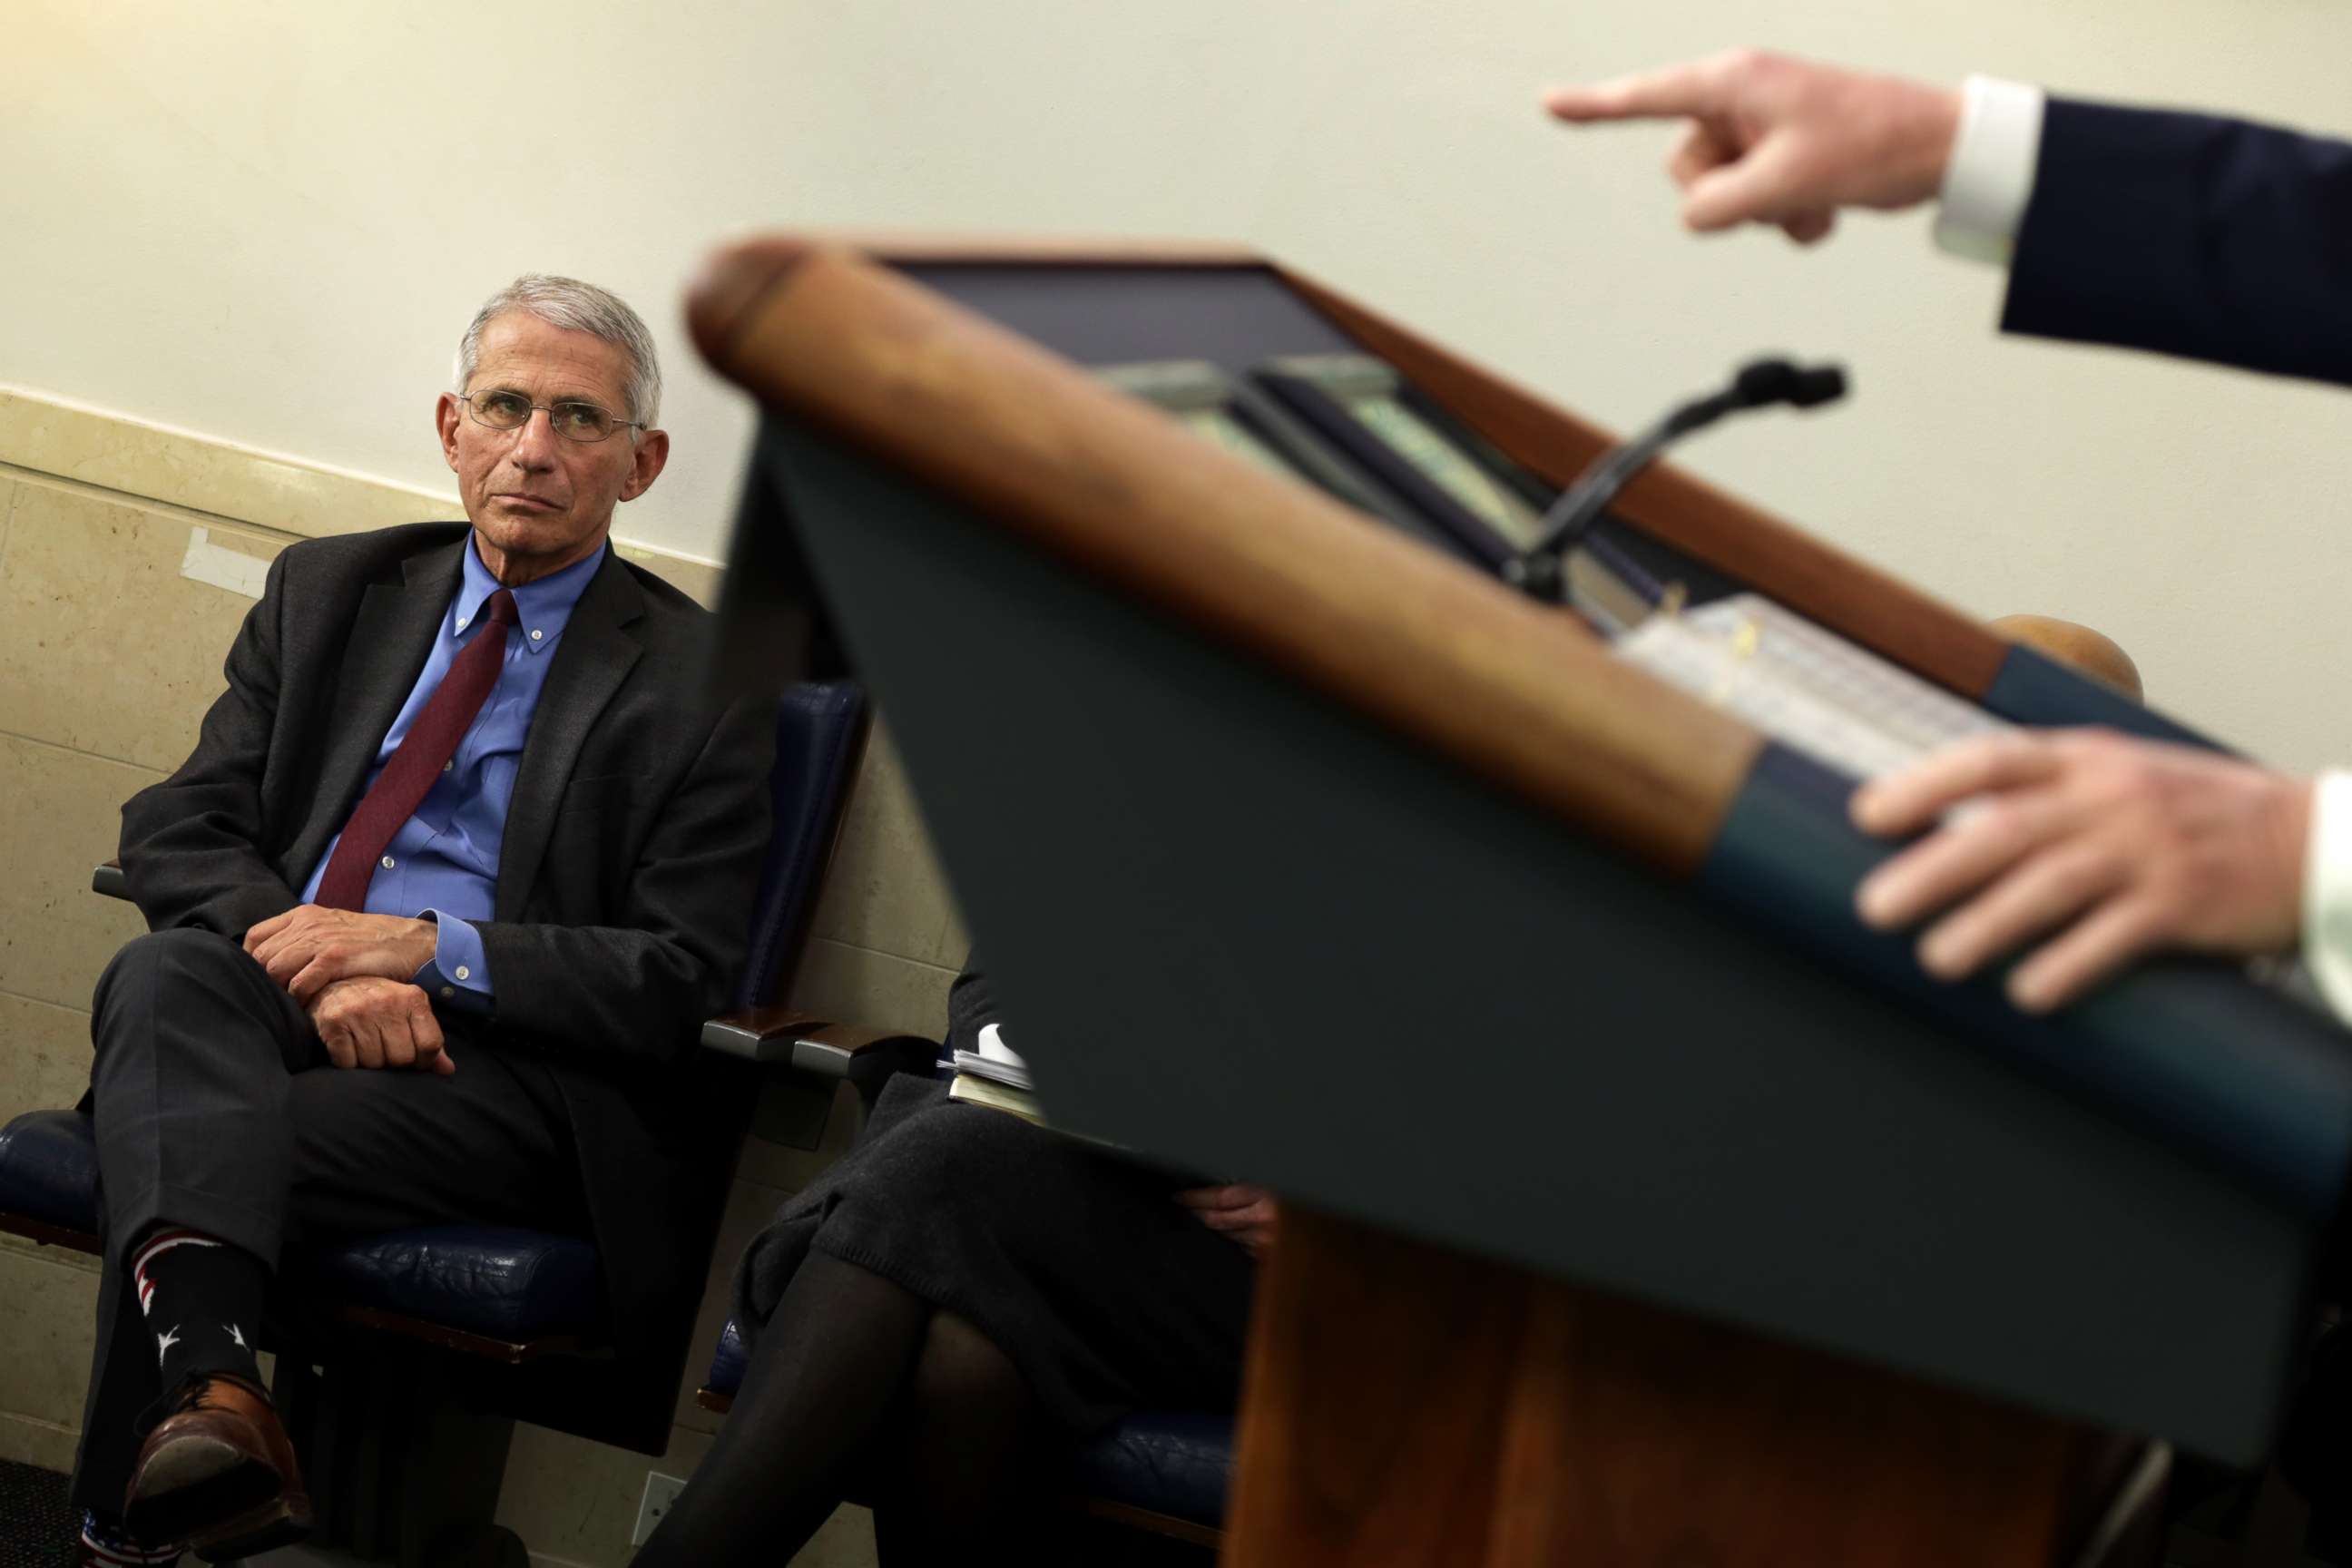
[(1802, 685)]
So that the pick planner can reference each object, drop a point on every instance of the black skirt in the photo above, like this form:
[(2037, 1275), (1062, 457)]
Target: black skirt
[(1081, 1268)]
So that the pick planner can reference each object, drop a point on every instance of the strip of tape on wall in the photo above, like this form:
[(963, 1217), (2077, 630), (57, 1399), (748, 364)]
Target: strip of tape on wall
[(221, 566)]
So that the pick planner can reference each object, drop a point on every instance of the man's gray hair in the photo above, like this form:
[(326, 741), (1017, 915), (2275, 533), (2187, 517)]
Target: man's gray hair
[(576, 307)]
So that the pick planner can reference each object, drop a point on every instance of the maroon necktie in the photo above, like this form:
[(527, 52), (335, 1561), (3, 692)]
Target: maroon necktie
[(424, 752)]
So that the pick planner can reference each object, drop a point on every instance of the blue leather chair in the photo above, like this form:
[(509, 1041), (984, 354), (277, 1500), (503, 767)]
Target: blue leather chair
[(405, 1453)]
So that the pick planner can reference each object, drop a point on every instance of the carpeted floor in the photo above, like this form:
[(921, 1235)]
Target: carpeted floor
[(35, 1526), (33, 1520)]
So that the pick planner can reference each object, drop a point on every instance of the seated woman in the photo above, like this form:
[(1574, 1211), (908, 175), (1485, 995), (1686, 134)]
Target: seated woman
[(959, 1297)]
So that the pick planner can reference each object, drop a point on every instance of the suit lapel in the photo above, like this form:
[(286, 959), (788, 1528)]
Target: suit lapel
[(595, 656), (390, 637)]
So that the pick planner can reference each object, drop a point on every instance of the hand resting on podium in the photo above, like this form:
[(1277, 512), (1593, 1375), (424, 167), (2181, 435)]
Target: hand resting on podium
[(2100, 848), (2092, 849)]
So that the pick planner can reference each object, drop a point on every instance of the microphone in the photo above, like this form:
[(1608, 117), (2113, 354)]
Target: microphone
[(1768, 381), (1761, 383)]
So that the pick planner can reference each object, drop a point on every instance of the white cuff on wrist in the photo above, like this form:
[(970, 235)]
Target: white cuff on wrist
[(2327, 892), (1990, 176)]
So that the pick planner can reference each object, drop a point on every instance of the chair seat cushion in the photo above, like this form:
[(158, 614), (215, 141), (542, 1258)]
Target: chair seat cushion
[(728, 1365), (506, 1284), (48, 1169), (1172, 1462), (1178, 1462)]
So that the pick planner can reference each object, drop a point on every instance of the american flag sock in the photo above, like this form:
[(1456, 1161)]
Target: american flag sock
[(202, 1300), (105, 1544)]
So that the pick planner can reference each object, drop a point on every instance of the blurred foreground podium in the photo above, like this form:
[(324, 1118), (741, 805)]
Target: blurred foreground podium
[(1642, 1208)]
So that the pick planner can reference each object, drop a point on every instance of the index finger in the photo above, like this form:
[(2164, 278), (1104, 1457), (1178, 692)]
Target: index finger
[(425, 1029), (1685, 91), (1921, 793)]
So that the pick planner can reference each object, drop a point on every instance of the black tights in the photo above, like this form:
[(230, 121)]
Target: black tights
[(855, 1378)]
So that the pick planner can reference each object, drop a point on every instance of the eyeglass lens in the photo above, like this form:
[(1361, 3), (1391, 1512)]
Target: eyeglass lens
[(573, 421)]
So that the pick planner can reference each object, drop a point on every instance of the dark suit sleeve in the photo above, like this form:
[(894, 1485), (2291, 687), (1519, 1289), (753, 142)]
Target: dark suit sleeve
[(191, 845), (640, 987), (2188, 235)]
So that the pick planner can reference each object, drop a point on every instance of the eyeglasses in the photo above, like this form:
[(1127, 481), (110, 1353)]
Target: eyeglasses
[(572, 420)]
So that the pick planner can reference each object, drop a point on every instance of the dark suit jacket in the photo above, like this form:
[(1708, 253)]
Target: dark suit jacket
[(2188, 235), (626, 877)]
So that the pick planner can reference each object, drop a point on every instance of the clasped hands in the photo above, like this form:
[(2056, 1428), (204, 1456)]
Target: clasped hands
[(352, 973)]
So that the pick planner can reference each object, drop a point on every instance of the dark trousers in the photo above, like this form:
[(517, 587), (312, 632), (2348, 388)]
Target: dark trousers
[(216, 1109)]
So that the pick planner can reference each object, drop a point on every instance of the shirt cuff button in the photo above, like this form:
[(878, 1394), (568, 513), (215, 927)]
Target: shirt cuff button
[(463, 973)]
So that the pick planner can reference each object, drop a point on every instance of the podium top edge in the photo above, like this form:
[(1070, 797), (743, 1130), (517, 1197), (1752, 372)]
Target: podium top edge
[(737, 274), (1428, 647)]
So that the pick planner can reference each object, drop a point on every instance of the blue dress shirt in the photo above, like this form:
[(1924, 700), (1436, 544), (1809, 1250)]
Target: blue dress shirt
[(443, 864)]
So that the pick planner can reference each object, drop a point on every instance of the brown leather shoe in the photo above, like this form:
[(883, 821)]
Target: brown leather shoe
[(218, 1474)]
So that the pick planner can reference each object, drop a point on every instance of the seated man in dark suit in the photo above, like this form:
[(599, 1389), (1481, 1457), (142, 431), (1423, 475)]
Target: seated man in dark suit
[(459, 861)]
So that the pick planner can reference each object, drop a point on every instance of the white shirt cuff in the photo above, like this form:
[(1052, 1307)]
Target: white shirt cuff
[(1990, 176), (2327, 892)]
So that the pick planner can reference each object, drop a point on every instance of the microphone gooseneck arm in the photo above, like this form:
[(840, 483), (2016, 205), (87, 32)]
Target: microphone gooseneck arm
[(1764, 383)]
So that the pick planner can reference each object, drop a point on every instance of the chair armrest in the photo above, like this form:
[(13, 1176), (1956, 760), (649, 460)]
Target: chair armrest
[(778, 1035), (820, 1054), (107, 877)]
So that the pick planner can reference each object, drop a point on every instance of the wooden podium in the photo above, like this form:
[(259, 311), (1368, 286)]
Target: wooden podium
[(1642, 1208)]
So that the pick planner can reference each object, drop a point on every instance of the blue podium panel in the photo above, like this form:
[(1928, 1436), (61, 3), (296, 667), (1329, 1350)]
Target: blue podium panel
[(1247, 932)]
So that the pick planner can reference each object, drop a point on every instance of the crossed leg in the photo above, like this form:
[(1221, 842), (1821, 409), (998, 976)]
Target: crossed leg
[(216, 1113)]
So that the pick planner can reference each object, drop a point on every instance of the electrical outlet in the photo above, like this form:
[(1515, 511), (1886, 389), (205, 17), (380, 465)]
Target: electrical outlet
[(661, 1490)]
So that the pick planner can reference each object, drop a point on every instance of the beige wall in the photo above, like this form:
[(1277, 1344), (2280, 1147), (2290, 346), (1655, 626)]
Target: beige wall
[(108, 653), (263, 219)]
